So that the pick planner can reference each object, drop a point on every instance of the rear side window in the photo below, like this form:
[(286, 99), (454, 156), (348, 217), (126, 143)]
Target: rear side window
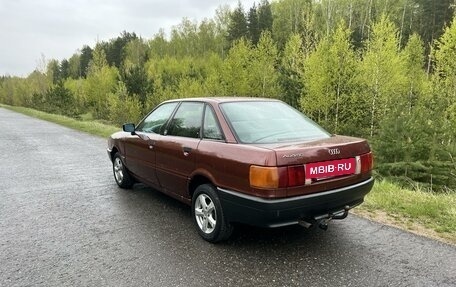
[(211, 129), (155, 121), (187, 120), (270, 122)]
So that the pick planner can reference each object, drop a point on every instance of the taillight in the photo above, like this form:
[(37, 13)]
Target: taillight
[(296, 175), (367, 162), (264, 177), (277, 177)]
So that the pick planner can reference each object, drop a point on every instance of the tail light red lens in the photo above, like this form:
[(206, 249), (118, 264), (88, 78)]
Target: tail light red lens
[(367, 162), (296, 175)]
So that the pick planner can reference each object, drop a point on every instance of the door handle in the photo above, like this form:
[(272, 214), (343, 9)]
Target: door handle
[(151, 144), (186, 150)]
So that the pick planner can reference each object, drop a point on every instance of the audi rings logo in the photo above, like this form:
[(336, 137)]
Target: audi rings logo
[(334, 151)]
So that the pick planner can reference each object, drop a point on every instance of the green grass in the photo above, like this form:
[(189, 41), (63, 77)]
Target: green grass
[(416, 210), (88, 126), (431, 214)]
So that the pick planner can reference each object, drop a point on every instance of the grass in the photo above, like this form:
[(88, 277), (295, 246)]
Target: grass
[(419, 211), (85, 125)]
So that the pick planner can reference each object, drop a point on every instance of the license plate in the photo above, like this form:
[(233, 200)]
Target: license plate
[(330, 168)]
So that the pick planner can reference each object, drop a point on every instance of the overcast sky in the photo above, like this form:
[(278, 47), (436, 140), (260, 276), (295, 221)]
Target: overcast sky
[(57, 28)]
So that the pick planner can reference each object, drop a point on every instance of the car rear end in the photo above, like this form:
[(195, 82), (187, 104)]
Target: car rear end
[(316, 176), (317, 187)]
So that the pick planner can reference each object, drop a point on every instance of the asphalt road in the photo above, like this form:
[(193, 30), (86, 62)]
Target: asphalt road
[(64, 222)]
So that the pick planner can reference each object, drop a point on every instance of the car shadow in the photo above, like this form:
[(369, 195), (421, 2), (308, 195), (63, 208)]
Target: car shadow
[(180, 215)]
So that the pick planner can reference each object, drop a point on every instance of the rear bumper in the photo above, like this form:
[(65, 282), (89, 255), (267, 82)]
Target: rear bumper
[(109, 151), (257, 211)]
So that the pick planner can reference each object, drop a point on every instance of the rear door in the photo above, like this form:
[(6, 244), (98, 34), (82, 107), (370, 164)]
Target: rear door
[(176, 153)]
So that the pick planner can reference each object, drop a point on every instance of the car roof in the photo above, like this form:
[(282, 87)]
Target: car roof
[(222, 99)]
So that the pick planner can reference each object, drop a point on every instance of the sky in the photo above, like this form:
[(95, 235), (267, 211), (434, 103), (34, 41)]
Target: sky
[(33, 30)]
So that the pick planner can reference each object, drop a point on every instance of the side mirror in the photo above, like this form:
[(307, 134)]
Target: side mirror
[(129, 128)]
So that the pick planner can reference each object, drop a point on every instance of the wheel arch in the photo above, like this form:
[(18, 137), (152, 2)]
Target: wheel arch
[(113, 152), (198, 178)]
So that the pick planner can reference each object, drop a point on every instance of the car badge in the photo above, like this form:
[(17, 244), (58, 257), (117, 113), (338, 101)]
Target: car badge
[(334, 151)]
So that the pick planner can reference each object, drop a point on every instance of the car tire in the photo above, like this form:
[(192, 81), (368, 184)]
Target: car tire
[(121, 174), (208, 215)]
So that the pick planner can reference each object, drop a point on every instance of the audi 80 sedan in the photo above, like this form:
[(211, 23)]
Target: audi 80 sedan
[(243, 160)]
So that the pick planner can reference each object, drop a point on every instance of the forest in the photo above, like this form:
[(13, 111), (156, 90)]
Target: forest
[(380, 69)]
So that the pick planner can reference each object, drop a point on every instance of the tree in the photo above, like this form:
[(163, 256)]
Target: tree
[(64, 69), (433, 16), (417, 83), (184, 39), (136, 82), (84, 60), (445, 82), (291, 71), (237, 27), (122, 108), (74, 69), (265, 19), (53, 71), (382, 71), (253, 25), (288, 19), (263, 77), (213, 85), (209, 41), (330, 75), (235, 69), (59, 100), (101, 80), (222, 22), (159, 46), (135, 53), (115, 48)]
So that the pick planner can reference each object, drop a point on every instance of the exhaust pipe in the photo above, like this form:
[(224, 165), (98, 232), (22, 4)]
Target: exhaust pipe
[(305, 224)]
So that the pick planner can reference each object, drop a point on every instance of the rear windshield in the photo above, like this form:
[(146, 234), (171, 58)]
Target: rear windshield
[(270, 122)]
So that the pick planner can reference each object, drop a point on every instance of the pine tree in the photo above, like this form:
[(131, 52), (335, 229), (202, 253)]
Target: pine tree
[(237, 27), (64, 69), (265, 19), (84, 60), (253, 25)]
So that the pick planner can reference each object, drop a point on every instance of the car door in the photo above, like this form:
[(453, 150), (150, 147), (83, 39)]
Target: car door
[(140, 155), (176, 153)]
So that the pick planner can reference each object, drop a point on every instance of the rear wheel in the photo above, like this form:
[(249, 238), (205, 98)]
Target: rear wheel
[(121, 174), (208, 214)]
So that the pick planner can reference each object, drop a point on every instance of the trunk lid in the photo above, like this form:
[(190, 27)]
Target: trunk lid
[(322, 165), (329, 149)]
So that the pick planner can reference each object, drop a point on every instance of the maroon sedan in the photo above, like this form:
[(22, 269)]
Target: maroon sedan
[(243, 160)]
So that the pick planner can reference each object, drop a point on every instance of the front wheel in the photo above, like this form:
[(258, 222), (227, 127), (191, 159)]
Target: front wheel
[(121, 174), (208, 214)]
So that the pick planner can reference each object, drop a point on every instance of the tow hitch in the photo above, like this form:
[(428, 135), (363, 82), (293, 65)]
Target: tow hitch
[(324, 219)]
